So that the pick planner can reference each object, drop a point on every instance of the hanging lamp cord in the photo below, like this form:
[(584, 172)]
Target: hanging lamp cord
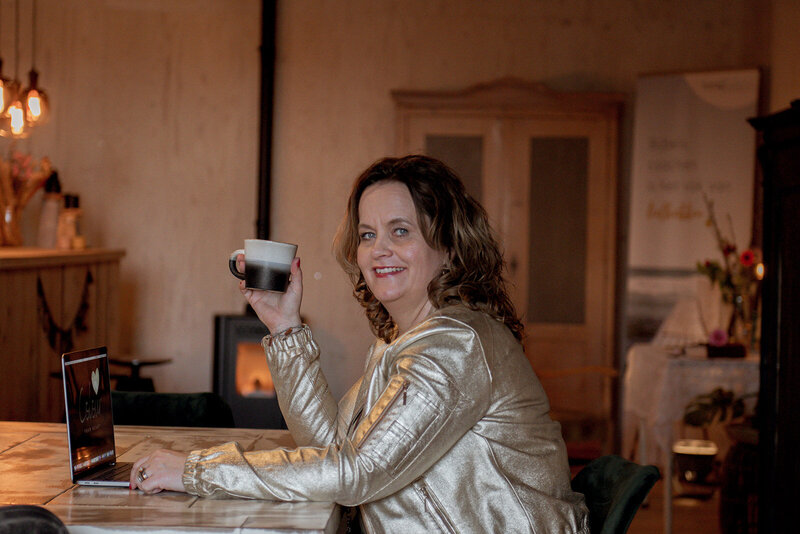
[(33, 37), (16, 40)]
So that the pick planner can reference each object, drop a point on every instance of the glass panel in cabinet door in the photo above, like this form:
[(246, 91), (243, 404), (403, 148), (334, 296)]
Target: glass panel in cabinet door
[(557, 230), (463, 154)]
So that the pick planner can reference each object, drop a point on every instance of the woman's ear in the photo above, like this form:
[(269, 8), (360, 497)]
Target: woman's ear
[(447, 264)]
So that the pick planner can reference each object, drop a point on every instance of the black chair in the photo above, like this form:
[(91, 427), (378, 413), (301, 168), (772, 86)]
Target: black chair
[(29, 519), (171, 409), (614, 489)]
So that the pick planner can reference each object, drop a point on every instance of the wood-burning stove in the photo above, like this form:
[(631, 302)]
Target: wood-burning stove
[(241, 375)]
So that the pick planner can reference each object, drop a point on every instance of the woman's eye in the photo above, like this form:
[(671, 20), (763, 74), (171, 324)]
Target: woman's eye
[(366, 235), (400, 231)]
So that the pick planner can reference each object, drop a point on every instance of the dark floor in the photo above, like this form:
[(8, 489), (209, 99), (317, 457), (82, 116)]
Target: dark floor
[(689, 515)]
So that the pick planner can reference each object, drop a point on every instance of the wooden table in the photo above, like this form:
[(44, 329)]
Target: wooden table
[(34, 469), (657, 387)]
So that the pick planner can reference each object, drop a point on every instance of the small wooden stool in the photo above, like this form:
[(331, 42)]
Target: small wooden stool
[(134, 381)]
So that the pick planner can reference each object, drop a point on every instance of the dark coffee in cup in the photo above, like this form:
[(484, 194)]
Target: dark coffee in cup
[(267, 264), (266, 275)]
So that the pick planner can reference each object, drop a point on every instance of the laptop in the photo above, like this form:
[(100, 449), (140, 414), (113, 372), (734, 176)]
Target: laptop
[(90, 425)]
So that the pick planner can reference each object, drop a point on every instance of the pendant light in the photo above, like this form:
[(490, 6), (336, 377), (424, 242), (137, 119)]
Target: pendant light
[(36, 104), (22, 110), (12, 122)]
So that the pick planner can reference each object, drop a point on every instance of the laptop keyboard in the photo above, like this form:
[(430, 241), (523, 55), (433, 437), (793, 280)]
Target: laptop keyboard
[(120, 471)]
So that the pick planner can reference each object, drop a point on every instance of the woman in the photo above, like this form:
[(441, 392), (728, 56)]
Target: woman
[(448, 428)]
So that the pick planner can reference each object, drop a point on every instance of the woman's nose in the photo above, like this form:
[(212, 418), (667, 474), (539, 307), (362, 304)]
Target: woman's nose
[(380, 247)]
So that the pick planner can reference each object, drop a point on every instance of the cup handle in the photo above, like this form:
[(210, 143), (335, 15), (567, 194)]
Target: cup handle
[(232, 264)]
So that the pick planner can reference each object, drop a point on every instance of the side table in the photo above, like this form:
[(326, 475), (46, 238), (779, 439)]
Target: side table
[(134, 381)]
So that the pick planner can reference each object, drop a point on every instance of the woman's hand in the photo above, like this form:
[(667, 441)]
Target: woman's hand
[(162, 470), (278, 311)]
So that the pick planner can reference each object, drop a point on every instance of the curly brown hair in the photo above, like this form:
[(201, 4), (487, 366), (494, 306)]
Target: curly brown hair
[(451, 221)]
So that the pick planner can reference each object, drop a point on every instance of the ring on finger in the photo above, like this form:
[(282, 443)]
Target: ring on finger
[(143, 474)]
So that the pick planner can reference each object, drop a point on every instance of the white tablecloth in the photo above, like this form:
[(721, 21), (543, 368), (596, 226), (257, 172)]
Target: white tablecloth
[(657, 387)]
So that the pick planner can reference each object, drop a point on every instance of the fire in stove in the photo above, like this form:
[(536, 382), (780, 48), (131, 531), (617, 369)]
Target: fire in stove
[(252, 374), (241, 374)]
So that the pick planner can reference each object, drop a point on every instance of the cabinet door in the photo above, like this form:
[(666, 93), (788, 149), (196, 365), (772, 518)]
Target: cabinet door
[(473, 147), (21, 342), (560, 249), (47, 309), (30, 368), (551, 196)]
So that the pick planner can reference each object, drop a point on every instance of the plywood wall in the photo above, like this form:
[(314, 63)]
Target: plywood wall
[(156, 123), (338, 62)]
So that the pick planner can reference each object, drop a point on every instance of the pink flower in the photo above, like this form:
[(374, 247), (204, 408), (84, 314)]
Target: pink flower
[(747, 257), (718, 337)]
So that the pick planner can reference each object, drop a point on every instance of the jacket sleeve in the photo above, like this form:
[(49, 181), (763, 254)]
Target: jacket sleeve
[(437, 389), (305, 400)]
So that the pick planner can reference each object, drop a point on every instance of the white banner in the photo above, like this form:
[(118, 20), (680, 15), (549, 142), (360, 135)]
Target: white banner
[(690, 137)]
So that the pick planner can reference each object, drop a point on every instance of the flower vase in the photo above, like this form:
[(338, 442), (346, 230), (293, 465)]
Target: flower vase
[(743, 332), (10, 230), (744, 311), (740, 332)]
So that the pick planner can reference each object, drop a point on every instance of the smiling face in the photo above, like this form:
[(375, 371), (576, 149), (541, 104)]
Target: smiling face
[(393, 256)]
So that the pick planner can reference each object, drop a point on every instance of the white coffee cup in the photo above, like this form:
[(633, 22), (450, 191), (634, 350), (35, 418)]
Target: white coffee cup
[(267, 264)]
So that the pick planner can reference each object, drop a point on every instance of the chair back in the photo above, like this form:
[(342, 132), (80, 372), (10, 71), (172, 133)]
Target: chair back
[(29, 519), (614, 489), (171, 409), (582, 401)]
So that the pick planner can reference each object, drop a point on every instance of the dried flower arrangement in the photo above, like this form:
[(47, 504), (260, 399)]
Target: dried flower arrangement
[(20, 178)]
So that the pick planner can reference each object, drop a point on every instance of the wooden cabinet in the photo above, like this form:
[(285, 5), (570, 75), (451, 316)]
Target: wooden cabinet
[(779, 396), (544, 165), (51, 302)]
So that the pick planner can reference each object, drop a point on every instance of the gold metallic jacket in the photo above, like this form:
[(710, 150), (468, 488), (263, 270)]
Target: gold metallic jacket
[(447, 431)]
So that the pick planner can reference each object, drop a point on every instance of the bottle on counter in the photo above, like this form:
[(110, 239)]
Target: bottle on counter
[(69, 230), (51, 208)]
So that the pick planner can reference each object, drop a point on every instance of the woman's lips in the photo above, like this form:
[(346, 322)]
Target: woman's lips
[(386, 271)]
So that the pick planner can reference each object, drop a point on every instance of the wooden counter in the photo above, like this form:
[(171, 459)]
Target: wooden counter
[(30, 257), (51, 301)]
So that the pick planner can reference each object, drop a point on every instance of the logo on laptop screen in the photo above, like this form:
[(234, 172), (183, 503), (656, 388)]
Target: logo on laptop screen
[(96, 380), (89, 408)]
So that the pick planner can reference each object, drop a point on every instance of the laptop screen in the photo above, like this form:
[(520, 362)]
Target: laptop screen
[(87, 393)]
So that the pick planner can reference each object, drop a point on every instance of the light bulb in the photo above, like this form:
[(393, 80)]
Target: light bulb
[(17, 118), (36, 104), (12, 121), (33, 105), (10, 95)]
